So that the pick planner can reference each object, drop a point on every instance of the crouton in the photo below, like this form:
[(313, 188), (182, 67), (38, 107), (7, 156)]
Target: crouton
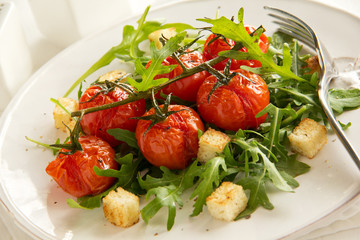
[(112, 76), (313, 65), (62, 117), (162, 33), (227, 201), (211, 143), (121, 208), (308, 138)]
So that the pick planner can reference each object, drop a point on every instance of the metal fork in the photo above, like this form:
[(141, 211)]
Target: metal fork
[(298, 29)]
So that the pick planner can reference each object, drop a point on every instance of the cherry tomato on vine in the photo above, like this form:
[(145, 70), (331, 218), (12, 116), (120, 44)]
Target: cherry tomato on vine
[(235, 105), (186, 88), (173, 142), (213, 46), (97, 123), (74, 173)]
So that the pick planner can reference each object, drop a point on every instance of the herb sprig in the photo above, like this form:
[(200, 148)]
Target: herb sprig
[(238, 33), (128, 50)]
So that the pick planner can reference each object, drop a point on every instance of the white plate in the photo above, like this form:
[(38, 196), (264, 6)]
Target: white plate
[(38, 205)]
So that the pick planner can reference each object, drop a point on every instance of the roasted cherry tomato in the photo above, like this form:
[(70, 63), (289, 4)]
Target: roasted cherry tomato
[(74, 173), (235, 105), (185, 88), (97, 123), (213, 46), (173, 142)]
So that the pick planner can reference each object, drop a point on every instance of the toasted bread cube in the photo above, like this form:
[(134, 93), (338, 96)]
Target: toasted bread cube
[(308, 138), (112, 76), (61, 117), (211, 143), (227, 201), (162, 33), (313, 65), (121, 208)]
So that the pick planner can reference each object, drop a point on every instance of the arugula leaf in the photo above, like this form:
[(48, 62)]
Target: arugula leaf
[(167, 191), (167, 196), (341, 99), (276, 116), (278, 39), (345, 126), (90, 202), (147, 74), (302, 97), (292, 166), (289, 179), (73, 204), (126, 176), (209, 179), (60, 105), (238, 33), (129, 46), (286, 164), (48, 146), (255, 150), (125, 136), (127, 173), (258, 196), (128, 36), (168, 178)]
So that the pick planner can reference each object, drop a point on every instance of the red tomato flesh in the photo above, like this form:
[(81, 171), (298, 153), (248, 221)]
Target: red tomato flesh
[(172, 143), (234, 106), (213, 47), (186, 88), (97, 123), (74, 173)]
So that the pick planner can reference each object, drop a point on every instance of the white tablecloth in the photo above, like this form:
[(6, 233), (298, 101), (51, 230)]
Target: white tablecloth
[(339, 226)]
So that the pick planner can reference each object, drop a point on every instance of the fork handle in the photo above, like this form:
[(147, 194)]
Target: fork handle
[(336, 126)]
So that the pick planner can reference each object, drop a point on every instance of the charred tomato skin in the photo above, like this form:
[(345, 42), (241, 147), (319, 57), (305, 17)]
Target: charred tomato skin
[(213, 46), (235, 105), (186, 88), (172, 143), (74, 173), (97, 123)]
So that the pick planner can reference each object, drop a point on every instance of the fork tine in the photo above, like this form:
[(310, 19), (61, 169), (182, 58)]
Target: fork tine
[(296, 35), (290, 22), (293, 26), (294, 30)]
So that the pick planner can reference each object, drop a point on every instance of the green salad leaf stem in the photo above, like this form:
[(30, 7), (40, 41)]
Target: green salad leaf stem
[(210, 179), (167, 191)]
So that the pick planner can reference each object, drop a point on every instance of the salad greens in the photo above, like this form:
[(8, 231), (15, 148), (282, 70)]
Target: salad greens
[(147, 74), (252, 159), (128, 50)]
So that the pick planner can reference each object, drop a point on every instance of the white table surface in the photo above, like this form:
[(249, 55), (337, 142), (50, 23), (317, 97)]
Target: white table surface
[(42, 48)]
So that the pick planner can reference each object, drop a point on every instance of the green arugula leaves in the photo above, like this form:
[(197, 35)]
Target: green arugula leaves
[(210, 178), (169, 187), (167, 191), (147, 74), (128, 50), (344, 99)]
